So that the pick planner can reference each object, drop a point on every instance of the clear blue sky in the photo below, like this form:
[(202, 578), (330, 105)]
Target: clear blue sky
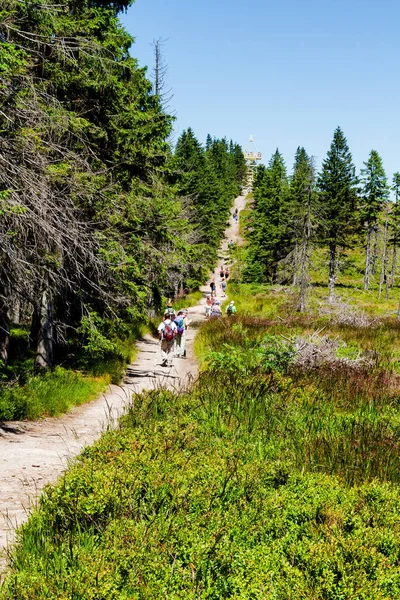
[(287, 71)]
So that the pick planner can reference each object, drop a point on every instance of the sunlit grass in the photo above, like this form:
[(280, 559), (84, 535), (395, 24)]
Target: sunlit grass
[(49, 395)]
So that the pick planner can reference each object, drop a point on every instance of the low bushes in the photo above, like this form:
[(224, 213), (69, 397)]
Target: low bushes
[(267, 480), (193, 498)]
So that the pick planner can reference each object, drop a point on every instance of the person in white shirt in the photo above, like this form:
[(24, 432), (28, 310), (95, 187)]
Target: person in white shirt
[(167, 332), (209, 304)]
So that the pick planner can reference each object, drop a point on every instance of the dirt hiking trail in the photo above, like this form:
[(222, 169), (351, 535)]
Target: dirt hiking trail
[(33, 454)]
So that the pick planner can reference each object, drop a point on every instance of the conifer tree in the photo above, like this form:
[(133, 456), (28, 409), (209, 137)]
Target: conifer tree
[(209, 179), (337, 183), (302, 199), (103, 231), (269, 220), (374, 193)]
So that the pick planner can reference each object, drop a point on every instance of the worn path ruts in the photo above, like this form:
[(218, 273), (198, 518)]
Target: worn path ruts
[(33, 454)]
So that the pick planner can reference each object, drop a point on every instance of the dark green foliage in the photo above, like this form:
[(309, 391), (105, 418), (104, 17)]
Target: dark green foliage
[(395, 215), (268, 223), (301, 191), (288, 215), (375, 190), (337, 183), (303, 210), (208, 179), (219, 493), (110, 224)]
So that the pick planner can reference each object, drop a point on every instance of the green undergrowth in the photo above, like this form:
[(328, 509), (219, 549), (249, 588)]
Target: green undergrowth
[(270, 478), (49, 395), (25, 394), (213, 494), (244, 216), (186, 301), (84, 374)]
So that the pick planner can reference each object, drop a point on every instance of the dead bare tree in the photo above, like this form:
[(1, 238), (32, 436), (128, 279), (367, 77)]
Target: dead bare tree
[(159, 77), (383, 274)]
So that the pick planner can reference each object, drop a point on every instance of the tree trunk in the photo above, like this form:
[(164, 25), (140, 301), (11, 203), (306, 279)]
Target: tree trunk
[(4, 333), (332, 269), (368, 258), (16, 310), (305, 256), (375, 250), (295, 264), (383, 278), (394, 260), (44, 351)]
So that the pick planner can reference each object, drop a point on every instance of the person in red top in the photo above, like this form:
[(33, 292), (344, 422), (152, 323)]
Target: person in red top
[(167, 332)]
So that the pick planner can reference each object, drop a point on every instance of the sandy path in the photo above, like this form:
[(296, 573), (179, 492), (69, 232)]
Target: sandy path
[(33, 454)]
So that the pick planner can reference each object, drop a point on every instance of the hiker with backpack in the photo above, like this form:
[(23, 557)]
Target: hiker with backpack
[(213, 287), (226, 273), (231, 308), (223, 287), (216, 310), (180, 337), (167, 332)]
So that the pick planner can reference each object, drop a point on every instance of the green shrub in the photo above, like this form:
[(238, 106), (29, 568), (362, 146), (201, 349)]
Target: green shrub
[(50, 394), (269, 354), (185, 501)]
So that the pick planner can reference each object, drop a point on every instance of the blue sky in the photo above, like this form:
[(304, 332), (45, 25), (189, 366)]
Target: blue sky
[(287, 71)]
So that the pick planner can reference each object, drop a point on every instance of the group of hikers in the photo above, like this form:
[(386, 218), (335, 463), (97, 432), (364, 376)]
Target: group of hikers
[(214, 307), (172, 333), (224, 275), (173, 329)]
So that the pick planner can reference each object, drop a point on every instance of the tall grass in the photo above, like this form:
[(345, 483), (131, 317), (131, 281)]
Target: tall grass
[(26, 395), (49, 395), (267, 479), (199, 496), (337, 418)]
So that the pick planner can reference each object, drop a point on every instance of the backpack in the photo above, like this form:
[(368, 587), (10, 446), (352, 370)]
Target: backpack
[(229, 310), (180, 325), (168, 333), (216, 310)]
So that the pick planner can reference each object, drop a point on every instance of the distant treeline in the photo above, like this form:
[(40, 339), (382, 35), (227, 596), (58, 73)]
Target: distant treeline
[(101, 216), (334, 209)]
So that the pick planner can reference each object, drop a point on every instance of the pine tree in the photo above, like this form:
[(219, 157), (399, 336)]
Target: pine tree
[(269, 222), (209, 179), (337, 183), (302, 199), (374, 193)]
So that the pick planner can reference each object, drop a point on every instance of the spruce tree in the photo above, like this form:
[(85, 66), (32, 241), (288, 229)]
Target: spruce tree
[(337, 183), (374, 193), (269, 221), (301, 211)]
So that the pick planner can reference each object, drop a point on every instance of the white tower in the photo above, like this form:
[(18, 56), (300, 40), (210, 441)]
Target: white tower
[(251, 155)]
